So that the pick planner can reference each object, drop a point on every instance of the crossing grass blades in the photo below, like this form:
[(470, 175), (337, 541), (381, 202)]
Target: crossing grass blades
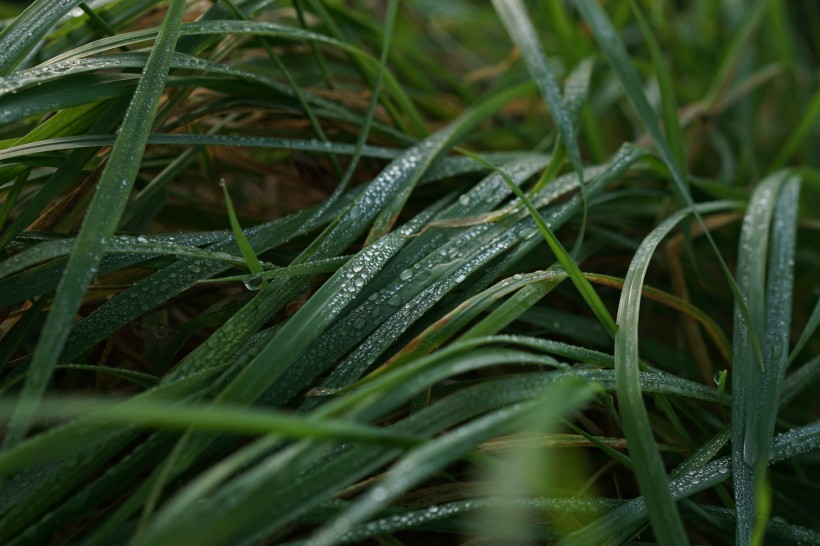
[(320, 272)]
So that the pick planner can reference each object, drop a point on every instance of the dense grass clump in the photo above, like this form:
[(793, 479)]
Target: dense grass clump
[(431, 272)]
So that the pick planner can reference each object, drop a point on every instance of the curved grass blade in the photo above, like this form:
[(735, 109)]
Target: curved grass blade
[(649, 469), (615, 53), (756, 393), (101, 221)]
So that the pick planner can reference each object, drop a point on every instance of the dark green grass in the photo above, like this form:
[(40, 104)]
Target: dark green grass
[(293, 273)]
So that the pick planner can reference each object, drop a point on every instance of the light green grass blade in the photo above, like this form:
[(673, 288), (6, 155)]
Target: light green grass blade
[(206, 417), (63, 441), (581, 283), (102, 217), (423, 461), (254, 266)]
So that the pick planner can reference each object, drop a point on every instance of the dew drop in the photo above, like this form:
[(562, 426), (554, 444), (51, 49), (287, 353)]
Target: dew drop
[(253, 283), (406, 275)]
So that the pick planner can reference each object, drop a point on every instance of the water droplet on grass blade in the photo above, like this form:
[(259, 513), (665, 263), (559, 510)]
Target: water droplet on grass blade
[(253, 283)]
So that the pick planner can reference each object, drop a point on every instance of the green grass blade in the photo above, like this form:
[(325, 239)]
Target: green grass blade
[(779, 297), (669, 104), (649, 468), (523, 34), (615, 52), (209, 418), (254, 266), (581, 283), (747, 378), (419, 463), (26, 30), (103, 215)]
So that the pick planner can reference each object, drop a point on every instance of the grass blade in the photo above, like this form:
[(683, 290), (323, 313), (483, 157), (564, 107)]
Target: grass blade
[(26, 30), (649, 468), (567, 262), (102, 217), (615, 52)]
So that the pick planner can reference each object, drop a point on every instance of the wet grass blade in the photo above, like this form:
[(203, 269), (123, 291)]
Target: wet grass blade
[(615, 52), (649, 469), (747, 377), (102, 217), (767, 237), (567, 262), (26, 30)]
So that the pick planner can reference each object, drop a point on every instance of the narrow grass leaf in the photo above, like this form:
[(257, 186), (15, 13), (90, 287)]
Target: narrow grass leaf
[(101, 221), (649, 468), (747, 378), (523, 34), (616, 54), (581, 283), (254, 266), (27, 29)]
